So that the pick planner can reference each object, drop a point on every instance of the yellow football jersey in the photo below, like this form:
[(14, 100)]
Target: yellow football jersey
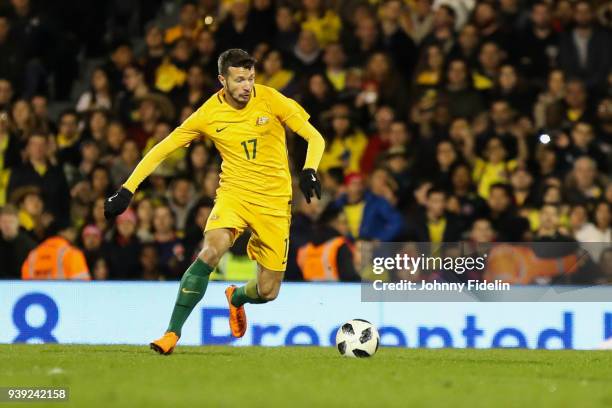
[(251, 142)]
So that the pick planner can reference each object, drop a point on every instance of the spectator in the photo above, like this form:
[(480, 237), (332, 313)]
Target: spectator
[(96, 127), (23, 120), (32, 217), (189, 24), (274, 75), (582, 143), (136, 88), (495, 166), (196, 90), (396, 42), (206, 53), (379, 140), (96, 216), (482, 231), (125, 163), (286, 29), (584, 51), (196, 220), (307, 53), (15, 244), (325, 24), (430, 70), (100, 180), (99, 95), (120, 60), (40, 107), (328, 257), (382, 183), (598, 229), (490, 59), (581, 183), (239, 29), (68, 139), (443, 30), (181, 201), (123, 251), (434, 224), (467, 45), (56, 258), (539, 42), (6, 93), (38, 171), (92, 240), (334, 58), (144, 213), (420, 20), (318, 97), (149, 264), (502, 213), (347, 145), (549, 226), (458, 92), (576, 107), (9, 154), (169, 247), (369, 216), (301, 230), (462, 188), (154, 52)]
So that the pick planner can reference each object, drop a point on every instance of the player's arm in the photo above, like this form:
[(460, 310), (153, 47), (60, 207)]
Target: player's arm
[(309, 182), (181, 136), (296, 118)]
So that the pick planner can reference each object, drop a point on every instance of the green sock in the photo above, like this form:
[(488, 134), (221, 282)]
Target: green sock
[(191, 291), (247, 294)]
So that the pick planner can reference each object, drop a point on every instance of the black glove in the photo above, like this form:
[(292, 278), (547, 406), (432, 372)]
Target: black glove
[(310, 184), (117, 203)]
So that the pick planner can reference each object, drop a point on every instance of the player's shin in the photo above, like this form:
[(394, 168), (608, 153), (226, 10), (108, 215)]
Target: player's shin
[(247, 294), (192, 289)]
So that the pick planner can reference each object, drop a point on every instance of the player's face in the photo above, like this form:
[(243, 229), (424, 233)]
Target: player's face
[(238, 84)]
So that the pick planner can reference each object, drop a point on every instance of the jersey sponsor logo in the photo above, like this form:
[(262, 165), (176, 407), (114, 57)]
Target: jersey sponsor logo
[(262, 120), (221, 129)]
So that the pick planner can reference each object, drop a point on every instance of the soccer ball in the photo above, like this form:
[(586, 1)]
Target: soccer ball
[(357, 338)]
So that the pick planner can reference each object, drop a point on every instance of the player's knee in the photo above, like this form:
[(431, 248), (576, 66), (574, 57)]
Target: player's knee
[(268, 292), (210, 255)]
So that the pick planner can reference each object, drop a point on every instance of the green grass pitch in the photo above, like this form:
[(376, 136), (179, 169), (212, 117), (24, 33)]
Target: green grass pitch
[(133, 376)]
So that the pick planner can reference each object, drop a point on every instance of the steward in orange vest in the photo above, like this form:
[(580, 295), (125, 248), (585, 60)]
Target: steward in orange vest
[(56, 259), (329, 256)]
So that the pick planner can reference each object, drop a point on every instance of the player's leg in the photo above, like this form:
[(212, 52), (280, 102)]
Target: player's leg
[(195, 280), (261, 290), (268, 246), (193, 285)]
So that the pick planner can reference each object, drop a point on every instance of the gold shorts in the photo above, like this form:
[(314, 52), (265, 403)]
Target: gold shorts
[(269, 242)]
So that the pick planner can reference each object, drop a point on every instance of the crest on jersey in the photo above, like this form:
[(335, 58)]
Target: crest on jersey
[(262, 120)]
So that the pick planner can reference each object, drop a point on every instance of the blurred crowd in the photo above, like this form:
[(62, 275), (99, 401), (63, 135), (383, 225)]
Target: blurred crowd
[(445, 120)]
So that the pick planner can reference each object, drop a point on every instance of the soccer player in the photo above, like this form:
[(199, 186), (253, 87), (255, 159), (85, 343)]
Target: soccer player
[(246, 123)]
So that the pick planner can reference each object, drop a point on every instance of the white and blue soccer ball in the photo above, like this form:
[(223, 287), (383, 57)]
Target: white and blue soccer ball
[(357, 338)]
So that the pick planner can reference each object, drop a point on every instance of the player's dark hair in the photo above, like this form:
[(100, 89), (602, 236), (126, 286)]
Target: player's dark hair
[(234, 57)]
